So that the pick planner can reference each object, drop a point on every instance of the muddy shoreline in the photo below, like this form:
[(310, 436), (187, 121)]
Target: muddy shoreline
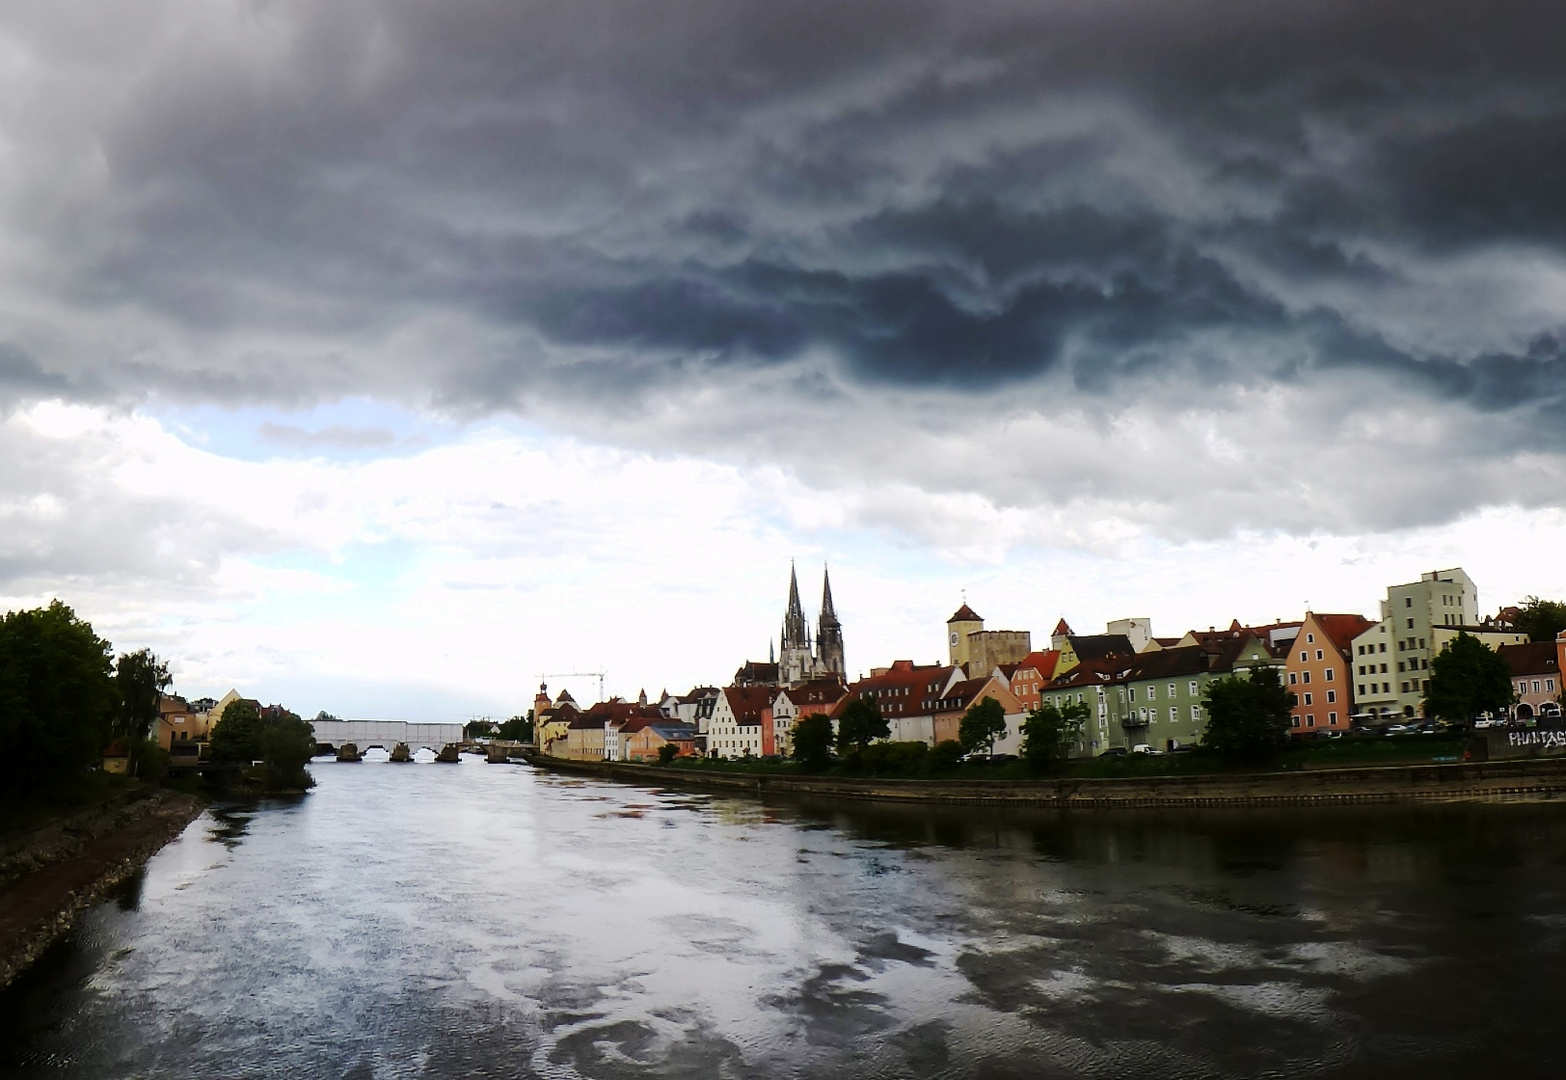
[(50, 877)]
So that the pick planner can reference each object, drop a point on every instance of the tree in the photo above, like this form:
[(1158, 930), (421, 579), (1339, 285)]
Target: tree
[(667, 753), (1247, 717), (1466, 679), (1049, 732), (287, 745), (813, 740), (57, 697), (478, 729), (982, 724), (1541, 620), (236, 737), (860, 723), (944, 756), (139, 679), (517, 729)]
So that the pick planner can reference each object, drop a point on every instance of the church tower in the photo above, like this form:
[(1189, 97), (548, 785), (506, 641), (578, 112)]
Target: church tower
[(794, 654), (829, 633)]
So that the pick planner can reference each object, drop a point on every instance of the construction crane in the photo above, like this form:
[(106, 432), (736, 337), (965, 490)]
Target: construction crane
[(599, 675)]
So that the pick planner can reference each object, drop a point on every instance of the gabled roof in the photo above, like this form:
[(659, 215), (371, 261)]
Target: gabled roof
[(1168, 663), (1098, 671), (673, 731), (1062, 629), (1098, 646), (1237, 650), (1341, 630), (905, 689), (962, 695), (1043, 661), (1534, 658), (815, 692), (965, 614), (747, 702)]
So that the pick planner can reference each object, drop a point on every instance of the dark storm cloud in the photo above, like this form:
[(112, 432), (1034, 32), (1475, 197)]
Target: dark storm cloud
[(607, 197)]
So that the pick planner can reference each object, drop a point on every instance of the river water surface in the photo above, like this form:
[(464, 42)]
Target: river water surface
[(491, 921)]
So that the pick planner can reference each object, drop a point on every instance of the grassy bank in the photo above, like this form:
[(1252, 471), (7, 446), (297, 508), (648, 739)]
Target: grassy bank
[(22, 814)]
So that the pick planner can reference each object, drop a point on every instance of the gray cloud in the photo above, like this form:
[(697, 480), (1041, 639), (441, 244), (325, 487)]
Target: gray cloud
[(589, 209)]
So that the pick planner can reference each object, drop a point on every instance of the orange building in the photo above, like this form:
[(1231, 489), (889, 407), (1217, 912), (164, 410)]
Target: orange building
[(1032, 675), (1320, 672)]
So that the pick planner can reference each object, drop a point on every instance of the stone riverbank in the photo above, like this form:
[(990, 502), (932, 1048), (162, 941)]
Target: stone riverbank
[(50, 876), (1496, 781)]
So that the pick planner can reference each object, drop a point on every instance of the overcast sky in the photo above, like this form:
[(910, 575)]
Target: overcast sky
[(381, 356)]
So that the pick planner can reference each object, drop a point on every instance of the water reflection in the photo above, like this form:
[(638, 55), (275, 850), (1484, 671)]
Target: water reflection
[(432, 921)]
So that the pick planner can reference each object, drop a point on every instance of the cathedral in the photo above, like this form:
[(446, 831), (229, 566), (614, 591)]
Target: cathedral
[(797, 661)]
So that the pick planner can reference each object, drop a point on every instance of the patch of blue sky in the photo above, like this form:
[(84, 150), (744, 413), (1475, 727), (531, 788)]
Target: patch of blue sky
[(353, 429)]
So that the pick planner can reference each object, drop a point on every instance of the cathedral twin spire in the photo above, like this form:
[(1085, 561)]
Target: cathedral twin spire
[(798, 660)]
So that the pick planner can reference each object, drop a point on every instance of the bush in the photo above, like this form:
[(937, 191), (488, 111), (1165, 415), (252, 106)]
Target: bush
[(894, 758), (860, 724), (945, 756), (1248, 717), (286, 747), (150, 762), (1048, 734), (667, 753), (813, 740)]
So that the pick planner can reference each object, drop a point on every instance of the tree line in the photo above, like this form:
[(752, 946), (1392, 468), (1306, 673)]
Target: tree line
[(66, 699)]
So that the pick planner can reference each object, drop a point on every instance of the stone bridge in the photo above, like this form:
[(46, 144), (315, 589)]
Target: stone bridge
[(385, 734)]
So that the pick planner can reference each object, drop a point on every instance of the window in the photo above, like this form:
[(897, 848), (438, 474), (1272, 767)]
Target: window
[(1536, 686), (1383, 669), (1303, 656), (1310, 719), (1295, 721), (1311, 638), (1383, 649), (1193, 692), (1361, 689), (1293, 678), (1332, 718), (1196, 712), (1318, 654), (1404, 689), (1307, 698), (1331, 674), (1549, 684), (1174, 714), (1408, 601), (1410, 624), (1307, 678), (1400, 665), (1171, 691), (1332, 697)]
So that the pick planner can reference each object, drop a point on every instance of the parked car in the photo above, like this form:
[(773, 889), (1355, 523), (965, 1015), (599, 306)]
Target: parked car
[(1144, 748), (1396, 729), (1114, 751)]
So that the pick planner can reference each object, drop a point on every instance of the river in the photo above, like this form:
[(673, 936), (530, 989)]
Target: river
[(492, 921)]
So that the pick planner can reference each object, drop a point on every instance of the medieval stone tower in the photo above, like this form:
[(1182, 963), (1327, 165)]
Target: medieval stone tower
[(798, 660)]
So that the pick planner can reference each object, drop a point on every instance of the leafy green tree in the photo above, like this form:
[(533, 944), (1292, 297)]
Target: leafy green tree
[(57, 697), (860, 723), (1049, 733), (813, 740), (667, 753), (517, 729), (479, 729), (140, 679), (1466, 679), (1247, 716), (982, 724), (1541, 620), (944, 756), (286, 746), (236, 737)]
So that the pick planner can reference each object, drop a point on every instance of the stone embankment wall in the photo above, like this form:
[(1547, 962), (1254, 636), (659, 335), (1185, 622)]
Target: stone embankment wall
[(1488, 781), (49, 877)]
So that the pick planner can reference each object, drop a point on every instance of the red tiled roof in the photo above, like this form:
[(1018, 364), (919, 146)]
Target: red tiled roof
[(965, 614), (1062, 629), (746, 702), (1043, 661), (1533, 658), (906, 690), (1341, 630), (816, 692)]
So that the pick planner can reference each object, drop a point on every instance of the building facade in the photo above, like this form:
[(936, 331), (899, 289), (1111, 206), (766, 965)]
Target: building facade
[(1321, 672), (979, 651)]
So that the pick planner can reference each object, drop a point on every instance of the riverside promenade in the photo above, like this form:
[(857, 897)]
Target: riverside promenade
[(1534, 780)]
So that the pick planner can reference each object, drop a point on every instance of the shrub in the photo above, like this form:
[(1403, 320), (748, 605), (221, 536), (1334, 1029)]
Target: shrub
[(945, 756), (894, 758), (1248, 717), (813, 740), (667, 753), (1049, 732)]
